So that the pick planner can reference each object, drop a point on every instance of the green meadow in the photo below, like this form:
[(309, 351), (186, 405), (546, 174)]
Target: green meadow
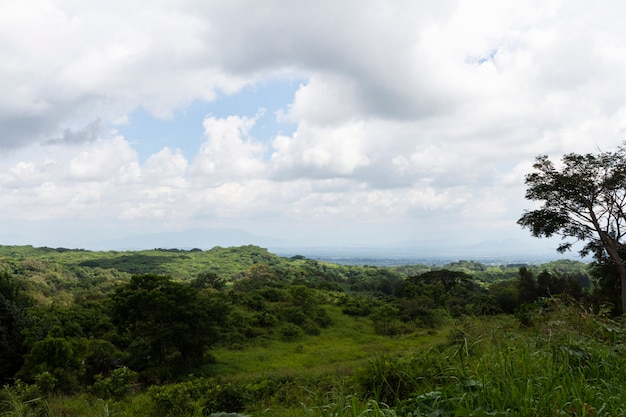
[(346, 345)]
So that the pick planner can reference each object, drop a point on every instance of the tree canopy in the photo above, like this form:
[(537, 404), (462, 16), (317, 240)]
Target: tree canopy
[(583, 200), (167, 325)]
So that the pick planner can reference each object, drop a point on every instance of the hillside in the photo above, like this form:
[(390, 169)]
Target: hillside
[(191, 332)]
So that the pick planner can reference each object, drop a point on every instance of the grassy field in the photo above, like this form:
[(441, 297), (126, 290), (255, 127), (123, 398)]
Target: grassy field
[(565, 361), (347, 344)]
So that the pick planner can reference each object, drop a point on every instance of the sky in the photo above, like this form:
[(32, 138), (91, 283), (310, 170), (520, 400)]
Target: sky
[(322, 123)]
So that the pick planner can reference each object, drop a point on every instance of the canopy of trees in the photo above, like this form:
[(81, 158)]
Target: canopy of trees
[(583, 199), (75, 320), (165, 326)]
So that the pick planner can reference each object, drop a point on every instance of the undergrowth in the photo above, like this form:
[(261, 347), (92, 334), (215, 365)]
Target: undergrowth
[(559, 359)]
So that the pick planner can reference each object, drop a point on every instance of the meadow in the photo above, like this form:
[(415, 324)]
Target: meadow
[(568, 363)]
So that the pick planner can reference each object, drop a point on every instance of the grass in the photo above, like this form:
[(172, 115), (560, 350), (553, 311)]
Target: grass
[(349, 343), (530, 372), (78, 406), (569, 362)]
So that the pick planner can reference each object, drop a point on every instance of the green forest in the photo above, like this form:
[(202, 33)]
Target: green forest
[(241, 331)]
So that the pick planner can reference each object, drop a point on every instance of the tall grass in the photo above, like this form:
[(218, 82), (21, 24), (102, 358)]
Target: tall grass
[(567, 364), (25, 401), (564, 361), (22, 401), (350, 406)]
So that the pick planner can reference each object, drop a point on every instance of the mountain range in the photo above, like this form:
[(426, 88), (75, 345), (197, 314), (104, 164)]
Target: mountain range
[(430, 251)]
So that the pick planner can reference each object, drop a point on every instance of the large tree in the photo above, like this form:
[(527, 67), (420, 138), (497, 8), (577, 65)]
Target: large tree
[(583, 200), (165, 326), (13, 321)]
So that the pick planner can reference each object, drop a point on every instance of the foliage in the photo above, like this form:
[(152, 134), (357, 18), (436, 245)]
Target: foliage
[(239, 331), (13, 321), (454, 291), (386, 321), (165, 326), (583, 200), (117, 385), (56, 363), (607, 288), (22, 401)]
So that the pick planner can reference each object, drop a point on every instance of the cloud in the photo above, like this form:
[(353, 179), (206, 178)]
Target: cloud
[(166, 167), (112, 160), (23, 174), (88, 133), (409, 113), (229, 153), (65, 62), (320, 153)]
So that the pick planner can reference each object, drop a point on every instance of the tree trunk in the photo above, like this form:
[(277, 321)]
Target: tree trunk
[(611, 248), (622, 278), (621, 268)]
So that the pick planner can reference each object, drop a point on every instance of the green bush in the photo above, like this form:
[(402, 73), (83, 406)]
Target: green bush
[(175, 400), (117, 385), (46, 382), (392, 378), (225, 398), (290, 331)]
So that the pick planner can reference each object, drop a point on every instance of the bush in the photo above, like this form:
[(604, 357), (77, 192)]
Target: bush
[(295, 315), (225, 398), (393, 378), (176, 399), (117, 385), (290, 331), (321, 317)]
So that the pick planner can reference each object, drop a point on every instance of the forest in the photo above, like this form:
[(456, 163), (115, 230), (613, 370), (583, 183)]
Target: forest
[(240, 331)]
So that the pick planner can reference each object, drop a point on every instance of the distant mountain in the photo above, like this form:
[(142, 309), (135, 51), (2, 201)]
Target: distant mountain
[(187, 239), (434, 252), (418, 251)]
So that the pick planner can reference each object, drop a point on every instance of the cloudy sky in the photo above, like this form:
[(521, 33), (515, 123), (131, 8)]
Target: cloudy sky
[(322, 122)]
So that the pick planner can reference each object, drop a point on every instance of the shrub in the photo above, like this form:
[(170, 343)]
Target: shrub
[(389, 379), (295, 315), (225, 398), (175, 400), (290, 331), (117, 385)]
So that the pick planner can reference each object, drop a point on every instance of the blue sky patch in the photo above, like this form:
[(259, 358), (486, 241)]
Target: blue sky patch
[(149, 134)]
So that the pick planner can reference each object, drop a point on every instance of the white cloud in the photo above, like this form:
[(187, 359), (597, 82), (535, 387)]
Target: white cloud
[(319, 152), (111, 160), (166, 167), (408, 110), (21, 175), (229, 153), (324, 100)]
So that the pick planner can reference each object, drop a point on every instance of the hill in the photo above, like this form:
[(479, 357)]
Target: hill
[(170, 332)]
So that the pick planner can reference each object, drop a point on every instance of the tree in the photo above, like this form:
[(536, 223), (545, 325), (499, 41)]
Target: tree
[(506, 295), (584, 200), (60, 360), (208, 279), (606, 284), (452, 290), (13, 321), (167, 325), (526, 286)]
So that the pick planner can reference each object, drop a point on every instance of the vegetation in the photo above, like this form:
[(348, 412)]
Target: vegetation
[(240, 331), (583, 200)]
